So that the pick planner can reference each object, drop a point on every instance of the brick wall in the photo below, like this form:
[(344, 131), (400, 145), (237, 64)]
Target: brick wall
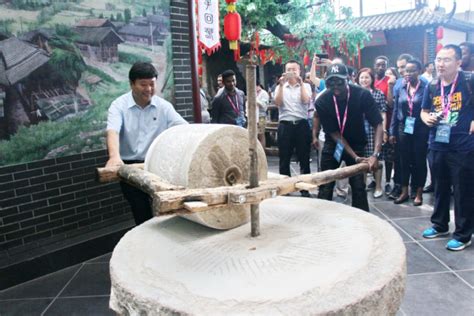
[(55, 199), (181, 59), (49, 200)]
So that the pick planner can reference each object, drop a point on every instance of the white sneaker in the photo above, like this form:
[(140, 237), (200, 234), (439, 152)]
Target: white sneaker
[(378, 193)]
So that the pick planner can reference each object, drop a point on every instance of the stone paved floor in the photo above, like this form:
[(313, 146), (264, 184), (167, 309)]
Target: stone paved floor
[(439, 282)]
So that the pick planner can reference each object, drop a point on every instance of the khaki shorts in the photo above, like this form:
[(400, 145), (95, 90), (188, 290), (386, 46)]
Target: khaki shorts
[(262, 123)]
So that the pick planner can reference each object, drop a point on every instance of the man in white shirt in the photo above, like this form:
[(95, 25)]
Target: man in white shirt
[(292, 97), (134, 120), (262, 104)]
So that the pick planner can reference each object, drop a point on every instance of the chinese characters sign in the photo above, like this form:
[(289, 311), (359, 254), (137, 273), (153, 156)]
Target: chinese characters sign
[(208, 25)]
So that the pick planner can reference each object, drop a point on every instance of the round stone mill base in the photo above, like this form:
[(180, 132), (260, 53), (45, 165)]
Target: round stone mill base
[(314, 257)]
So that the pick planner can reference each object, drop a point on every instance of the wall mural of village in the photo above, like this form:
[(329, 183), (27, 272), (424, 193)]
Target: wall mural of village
[(62, 62)]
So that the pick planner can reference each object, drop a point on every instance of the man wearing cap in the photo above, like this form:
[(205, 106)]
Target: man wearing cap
[(342, 109), (292, 97)]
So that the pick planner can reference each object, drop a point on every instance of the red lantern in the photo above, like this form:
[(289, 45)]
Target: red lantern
[(439, 47), (230, 1), (232, 29), (306, 59), (439, 32)]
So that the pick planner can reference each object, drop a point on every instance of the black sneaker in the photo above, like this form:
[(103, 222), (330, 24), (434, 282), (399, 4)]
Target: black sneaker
[(305, 193), (429, 188), (397, 190), (371, 186), (388, 188)]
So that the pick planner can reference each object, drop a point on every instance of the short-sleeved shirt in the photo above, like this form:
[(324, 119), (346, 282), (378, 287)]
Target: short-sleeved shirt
[(292, 108), (382, 85), (361, 106), (460, 116), (138, 127), (401, 109)]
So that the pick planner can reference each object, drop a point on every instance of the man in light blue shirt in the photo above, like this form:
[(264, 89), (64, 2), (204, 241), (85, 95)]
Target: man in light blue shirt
[(134, 120)]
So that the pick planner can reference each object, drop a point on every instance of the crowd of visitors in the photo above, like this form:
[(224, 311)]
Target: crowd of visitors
[(404, 115)]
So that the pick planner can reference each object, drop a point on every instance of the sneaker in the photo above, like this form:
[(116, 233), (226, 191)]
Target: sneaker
[(342, 192), (371, 186), (456, 245), (378, 193), (305, 193), (388, 188), (429, 188), (433, 233), (396, 191)]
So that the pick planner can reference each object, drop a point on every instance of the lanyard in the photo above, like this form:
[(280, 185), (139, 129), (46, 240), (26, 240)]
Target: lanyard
[(447, 107), (343, 125), (234, 106), (412, 97)]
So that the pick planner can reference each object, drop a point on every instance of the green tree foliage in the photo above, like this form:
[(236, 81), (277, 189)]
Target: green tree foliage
[(119, 17), (153, 10), (66, 59), (130, 58), (127, 14), (310, 21), (144, 13), (112, 17), (101, 16)]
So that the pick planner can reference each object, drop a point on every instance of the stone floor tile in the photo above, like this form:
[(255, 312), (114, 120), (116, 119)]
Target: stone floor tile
[(46, 286), (98, 306), (92, 279), (420, 261), (456, 260), (24, 307), (437, 294)]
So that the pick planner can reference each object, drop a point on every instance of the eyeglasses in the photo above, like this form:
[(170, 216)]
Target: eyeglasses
[(338, 82)]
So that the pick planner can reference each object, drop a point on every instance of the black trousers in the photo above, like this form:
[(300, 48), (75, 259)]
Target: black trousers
[(413, 149), (139, 201), (359, 194), (291, 136), (455, 169)]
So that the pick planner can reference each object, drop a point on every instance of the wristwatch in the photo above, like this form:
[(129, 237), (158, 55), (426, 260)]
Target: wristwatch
[(376, 155)]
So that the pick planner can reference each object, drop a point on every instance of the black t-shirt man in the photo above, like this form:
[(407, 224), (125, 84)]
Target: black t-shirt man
[(342, 109), (361, 104)]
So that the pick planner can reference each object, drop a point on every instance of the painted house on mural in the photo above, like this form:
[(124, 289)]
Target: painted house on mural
[(142, 34), (39, 37), (19, 62), (98, 40), (418, 32)]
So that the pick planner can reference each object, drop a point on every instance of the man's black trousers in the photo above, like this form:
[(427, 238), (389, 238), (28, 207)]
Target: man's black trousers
[(456, 169), (294, 135), (357, 182), (139, 201)]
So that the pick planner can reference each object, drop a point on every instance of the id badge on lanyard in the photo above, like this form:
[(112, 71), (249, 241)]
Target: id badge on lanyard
[(409, 125), (339, 150), (340, 146), (410, 120), (443, 130)]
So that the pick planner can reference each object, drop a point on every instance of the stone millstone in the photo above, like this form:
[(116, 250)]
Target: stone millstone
[(314, 257), (206, 156)]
